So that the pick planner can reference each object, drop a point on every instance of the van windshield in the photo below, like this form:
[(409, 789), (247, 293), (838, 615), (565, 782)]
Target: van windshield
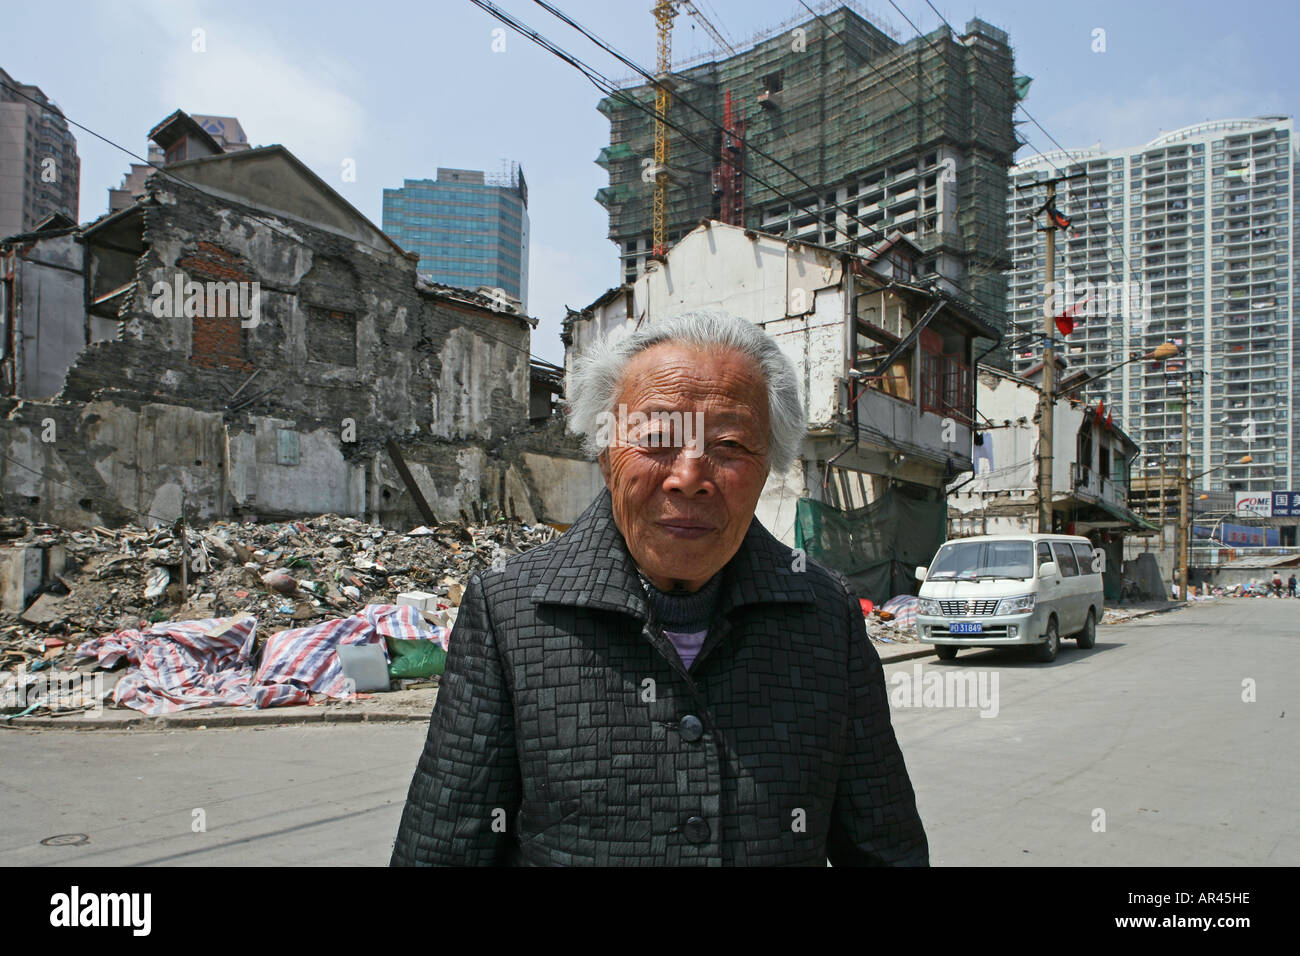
[(971, 560)]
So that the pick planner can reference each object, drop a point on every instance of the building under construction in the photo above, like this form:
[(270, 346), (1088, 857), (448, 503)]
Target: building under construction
[(833, 131)]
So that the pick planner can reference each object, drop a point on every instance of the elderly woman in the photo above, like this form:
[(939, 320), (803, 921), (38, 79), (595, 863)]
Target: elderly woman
[(666, 683)]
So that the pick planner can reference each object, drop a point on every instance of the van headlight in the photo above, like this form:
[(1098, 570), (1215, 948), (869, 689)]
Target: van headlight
[(1016, 605), (926, 606)]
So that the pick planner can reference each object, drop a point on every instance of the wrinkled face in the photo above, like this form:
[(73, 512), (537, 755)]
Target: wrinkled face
[(687, 460)]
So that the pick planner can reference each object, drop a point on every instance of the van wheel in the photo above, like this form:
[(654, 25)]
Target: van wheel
[(1047, 650), (1088, 636), (945, 652)]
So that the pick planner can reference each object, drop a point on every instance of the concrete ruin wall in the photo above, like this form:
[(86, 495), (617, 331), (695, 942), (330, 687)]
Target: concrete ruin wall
[(347, 352)]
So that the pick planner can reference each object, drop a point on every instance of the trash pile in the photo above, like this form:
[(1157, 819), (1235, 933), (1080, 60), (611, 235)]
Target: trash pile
[(894, 622), (1255, 587), (149, 593)]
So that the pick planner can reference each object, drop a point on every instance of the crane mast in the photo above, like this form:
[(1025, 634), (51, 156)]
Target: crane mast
[(664, 12)]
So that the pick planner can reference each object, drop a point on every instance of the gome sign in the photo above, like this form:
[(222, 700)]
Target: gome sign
[(1254, 504)]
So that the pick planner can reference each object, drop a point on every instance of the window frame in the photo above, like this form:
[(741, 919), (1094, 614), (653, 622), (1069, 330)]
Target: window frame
[(1090, 550), (1067, 570)]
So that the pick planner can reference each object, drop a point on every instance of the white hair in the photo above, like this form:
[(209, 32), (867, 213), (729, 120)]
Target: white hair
[(597, 377)]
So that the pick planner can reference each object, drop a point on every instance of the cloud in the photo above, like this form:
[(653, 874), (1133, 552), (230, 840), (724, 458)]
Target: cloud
[(281, 93)]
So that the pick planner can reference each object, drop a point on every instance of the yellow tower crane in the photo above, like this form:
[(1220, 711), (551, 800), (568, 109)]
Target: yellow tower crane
[(664, 11)]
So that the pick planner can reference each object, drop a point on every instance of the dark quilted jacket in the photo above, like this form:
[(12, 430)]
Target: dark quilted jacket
[(566, 730)]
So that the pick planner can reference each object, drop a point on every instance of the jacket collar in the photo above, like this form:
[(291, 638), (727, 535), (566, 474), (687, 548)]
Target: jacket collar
[(590, 566)]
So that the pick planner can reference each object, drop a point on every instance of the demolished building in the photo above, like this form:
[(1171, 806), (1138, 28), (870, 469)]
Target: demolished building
[(885, 357), (241, 341)]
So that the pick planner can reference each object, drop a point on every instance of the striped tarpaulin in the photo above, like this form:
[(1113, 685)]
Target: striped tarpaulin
[(306, 656), (903, 607), (184, 664)]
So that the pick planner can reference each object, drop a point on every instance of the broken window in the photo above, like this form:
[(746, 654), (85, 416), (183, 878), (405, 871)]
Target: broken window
[(1083, 454), (882, 335)]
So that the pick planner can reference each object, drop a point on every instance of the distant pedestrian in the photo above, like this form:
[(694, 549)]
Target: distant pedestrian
[(1290, 586), (1277, 583)]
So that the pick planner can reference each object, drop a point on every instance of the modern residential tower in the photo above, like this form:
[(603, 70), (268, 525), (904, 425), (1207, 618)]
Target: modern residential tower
[(1187, 238), (40, 173)]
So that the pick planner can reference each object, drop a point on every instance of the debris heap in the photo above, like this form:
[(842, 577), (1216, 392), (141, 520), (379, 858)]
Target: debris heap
[(287, 575)]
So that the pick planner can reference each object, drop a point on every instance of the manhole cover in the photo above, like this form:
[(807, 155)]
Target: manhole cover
[(66, 839)]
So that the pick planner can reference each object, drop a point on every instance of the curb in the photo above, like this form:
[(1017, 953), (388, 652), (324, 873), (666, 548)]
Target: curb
[(214, 720), (269, 718), (903, 655), (912, 655), (1174, 606)]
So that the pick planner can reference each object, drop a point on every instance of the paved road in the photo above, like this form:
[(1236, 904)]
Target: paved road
[(1149, 727)]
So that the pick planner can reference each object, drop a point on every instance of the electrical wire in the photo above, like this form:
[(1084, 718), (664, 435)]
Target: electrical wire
[(111, 501), (518, 26), (658, 84), (1055, 142)]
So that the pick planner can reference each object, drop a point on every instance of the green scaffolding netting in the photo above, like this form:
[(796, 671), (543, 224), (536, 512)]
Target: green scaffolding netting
[(877, 547)]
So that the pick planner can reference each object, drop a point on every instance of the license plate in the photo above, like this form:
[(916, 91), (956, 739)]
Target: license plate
[(966, 627)]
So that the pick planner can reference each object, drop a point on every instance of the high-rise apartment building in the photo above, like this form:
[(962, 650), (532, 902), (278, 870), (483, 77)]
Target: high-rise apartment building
[(40, 172), (187, 135), (470, 229), (832, 130), (1187, 238)]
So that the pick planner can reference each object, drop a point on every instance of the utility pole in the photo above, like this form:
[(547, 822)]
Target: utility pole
[(1162, 506), (1046, 396), (1184, 483)]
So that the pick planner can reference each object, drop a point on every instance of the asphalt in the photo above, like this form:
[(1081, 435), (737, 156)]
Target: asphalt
[(405, 706)]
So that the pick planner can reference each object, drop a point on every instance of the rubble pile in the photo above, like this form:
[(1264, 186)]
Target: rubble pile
[(287, 575)]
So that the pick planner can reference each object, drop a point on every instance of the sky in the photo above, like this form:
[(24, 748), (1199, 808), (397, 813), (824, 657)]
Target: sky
[(394, 90)]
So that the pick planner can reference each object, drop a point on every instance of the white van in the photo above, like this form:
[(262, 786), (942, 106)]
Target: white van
[(996, 590)]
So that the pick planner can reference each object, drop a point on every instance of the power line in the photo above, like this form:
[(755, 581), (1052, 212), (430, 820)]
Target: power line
[(64, 484), (979, 100), (1019, 105), (608, 86), (587, 70), (561, 15), (939, 102), (1012, 323)]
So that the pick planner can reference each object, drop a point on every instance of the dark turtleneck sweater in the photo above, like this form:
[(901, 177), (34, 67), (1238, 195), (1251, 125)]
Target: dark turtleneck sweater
[(684, 615)]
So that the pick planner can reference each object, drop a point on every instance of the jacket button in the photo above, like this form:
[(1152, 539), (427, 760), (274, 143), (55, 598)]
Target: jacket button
[(696, 829), (691, 728)]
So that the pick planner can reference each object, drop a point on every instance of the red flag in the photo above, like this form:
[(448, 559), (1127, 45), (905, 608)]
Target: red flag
[(1062, 221), (1065, 321), (1100, 410), (1110, 419)]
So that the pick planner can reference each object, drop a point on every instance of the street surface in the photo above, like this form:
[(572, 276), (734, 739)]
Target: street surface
[(1149, 728)]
